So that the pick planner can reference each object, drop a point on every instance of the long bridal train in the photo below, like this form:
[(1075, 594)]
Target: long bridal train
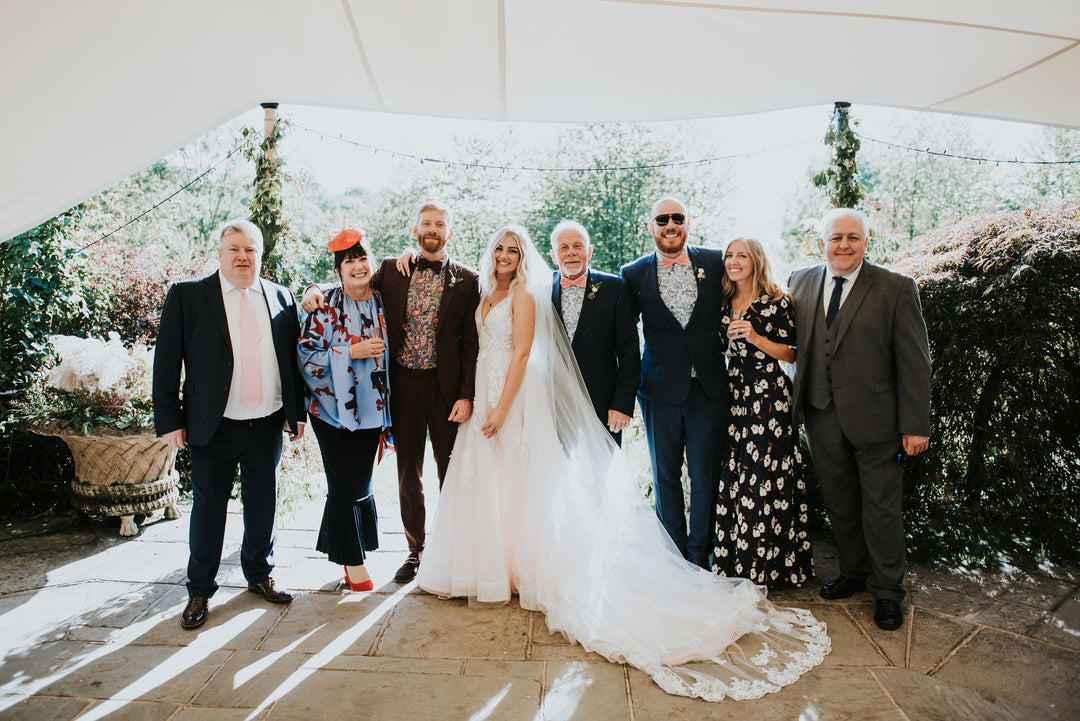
[(548, 509)]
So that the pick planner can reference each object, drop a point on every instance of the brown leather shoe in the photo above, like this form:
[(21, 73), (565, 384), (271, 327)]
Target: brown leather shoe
[(408, 570), (194, 614), (266, 590)]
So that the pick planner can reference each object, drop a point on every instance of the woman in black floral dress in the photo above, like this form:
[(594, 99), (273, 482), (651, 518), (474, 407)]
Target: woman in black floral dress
[(761, 510)]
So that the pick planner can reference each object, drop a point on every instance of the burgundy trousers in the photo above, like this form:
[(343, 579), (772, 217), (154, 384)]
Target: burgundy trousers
[(418, 410)]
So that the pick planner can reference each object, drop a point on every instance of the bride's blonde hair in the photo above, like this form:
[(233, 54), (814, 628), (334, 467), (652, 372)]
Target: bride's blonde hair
[(525, 249)]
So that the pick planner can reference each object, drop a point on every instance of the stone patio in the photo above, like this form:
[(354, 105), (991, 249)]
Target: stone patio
[(89, 629)]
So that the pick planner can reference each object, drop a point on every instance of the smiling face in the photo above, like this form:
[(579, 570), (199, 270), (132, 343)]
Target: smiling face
[(571, 252), (845, 245), (355, 273), (240, 256), (506, 257), (738, 262), (432, 231), (670, 237)]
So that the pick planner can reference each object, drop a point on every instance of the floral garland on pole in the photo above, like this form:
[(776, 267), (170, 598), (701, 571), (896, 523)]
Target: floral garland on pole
[(841, 179)]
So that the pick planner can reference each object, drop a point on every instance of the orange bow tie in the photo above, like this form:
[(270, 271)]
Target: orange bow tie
[(680, 259), (578, 282)]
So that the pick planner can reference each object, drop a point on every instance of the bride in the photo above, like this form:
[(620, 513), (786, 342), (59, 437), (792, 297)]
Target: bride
[(538, 501)]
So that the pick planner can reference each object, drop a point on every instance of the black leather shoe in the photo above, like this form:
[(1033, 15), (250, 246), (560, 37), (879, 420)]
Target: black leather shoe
[(266, 590), (842, 587), (194, 614), (888, 615), (408, 570)]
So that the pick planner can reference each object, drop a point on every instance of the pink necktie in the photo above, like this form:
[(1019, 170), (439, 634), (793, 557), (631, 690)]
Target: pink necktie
[(250, 367), (680, 259), (565, 282)]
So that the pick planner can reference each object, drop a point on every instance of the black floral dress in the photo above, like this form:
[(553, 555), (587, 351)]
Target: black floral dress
[(761, 510)]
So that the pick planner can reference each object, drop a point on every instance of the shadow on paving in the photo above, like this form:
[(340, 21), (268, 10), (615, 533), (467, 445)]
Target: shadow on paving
[(89, 629)]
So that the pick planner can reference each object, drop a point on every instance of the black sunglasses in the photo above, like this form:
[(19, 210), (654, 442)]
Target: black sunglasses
[(676, 218)]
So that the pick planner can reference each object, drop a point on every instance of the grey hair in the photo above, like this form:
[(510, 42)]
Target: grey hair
[(240, 226), (829, 220), (569, 225)]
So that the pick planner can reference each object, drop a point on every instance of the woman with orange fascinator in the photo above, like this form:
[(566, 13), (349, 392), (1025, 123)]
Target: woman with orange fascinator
[(343, 360)]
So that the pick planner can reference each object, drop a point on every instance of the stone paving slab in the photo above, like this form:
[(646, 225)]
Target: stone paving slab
[(593, 691), (1062, 625), (89, 625), (37, 708), (314, 622), (836, 693), (850, 647), (932, 637), (390, 697), (248, 678), (925, 697), (428, 627), (1018, 669)]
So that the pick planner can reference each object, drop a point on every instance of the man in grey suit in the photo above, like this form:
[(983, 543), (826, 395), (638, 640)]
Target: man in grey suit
[(862, 386)]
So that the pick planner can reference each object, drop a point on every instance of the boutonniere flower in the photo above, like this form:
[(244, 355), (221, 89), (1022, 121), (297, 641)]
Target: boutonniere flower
[(701, 274), (592, 290), (454, 280)]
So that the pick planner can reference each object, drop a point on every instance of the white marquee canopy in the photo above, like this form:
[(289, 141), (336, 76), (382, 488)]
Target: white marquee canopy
[(94, 91)]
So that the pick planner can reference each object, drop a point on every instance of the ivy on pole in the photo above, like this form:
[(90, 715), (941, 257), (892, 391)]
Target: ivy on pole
[(841, 179), (267, 205)]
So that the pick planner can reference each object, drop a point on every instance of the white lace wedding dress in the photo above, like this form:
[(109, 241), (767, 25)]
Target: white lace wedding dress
[(547, 509)]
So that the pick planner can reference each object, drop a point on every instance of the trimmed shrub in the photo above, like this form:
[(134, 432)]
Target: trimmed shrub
[(1001, 298)]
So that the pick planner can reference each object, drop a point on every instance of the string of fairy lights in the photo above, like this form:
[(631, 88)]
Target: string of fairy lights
[(502, 168)]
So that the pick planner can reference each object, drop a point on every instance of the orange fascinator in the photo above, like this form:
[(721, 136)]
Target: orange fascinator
[(347, 238)]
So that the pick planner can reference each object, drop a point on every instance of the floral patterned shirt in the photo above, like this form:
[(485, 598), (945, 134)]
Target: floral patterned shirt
[(421, 317), (678, 289), (572, 298)]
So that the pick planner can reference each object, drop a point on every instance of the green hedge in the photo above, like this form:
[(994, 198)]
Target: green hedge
[(1001, 299)]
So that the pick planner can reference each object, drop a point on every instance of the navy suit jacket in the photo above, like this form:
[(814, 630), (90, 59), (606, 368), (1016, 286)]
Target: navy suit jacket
[(605, 342), (194, 333), (669, 348)]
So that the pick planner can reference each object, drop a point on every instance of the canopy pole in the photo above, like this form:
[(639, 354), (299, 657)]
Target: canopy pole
[(270, 118)]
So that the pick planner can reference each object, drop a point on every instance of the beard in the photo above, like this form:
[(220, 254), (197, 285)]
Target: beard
[(432, 243), (671, 244)]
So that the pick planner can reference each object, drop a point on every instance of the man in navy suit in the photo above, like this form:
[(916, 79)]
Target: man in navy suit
[(597, 315), (683, 394), (234, 334)]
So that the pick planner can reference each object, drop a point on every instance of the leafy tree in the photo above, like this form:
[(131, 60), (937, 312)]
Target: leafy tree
[(614, 205), (1054, 185), (40, 295), (480, 200), (911, 193)]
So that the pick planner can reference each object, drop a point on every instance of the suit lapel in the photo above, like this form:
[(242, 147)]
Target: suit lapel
[(556, 293), (653, 283), (695, 264), (444, 297), (807, 300), (855, 298), (214, 299)]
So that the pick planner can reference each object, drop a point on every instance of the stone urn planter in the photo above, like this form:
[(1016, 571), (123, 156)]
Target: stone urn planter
[(120, 473)]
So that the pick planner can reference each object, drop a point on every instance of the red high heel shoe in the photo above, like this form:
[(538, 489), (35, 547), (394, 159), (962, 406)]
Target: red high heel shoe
[(367, 585)]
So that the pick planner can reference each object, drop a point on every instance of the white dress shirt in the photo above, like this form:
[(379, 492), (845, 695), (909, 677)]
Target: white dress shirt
[(271, 378), (827, 290)]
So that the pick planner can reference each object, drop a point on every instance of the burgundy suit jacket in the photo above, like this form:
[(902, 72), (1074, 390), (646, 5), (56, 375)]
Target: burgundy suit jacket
[(456, 343)]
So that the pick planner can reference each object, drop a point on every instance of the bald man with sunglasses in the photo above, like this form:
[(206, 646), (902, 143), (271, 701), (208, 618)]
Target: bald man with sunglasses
[(683, 394)]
